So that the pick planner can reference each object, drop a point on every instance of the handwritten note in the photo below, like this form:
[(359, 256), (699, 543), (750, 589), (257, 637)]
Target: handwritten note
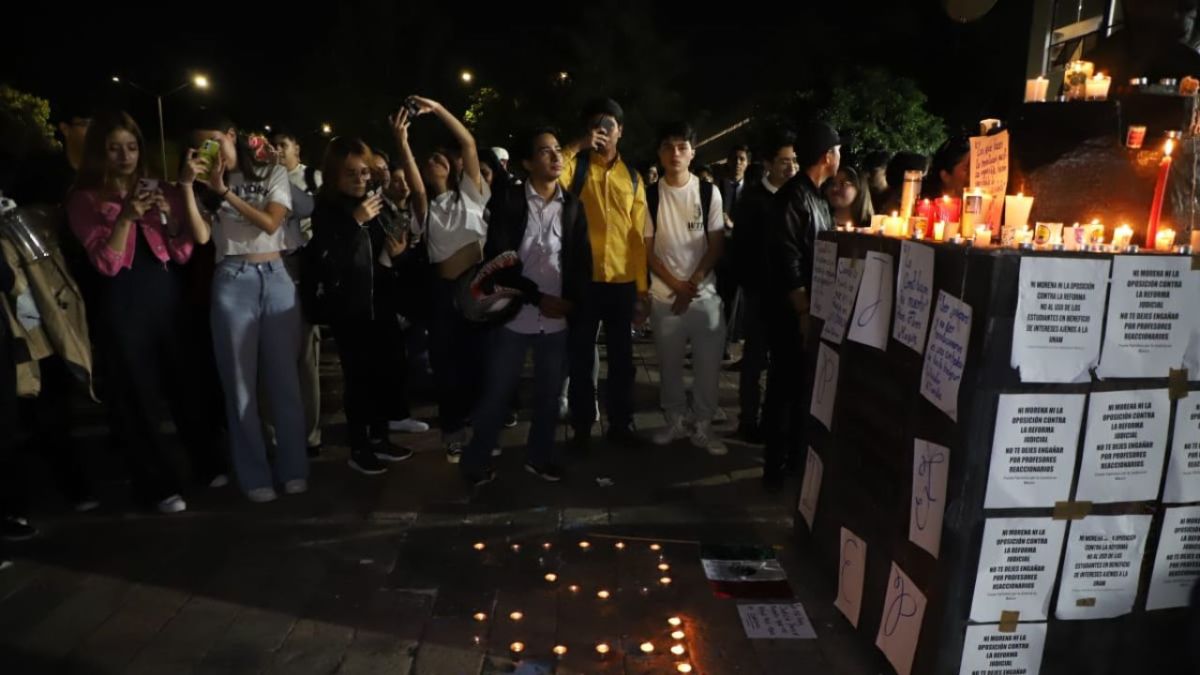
[(1033, 450), (1153, 309), (1183, 473), (989, 171), (931, 464), (914, 294), (987, 651), (873, 310), (776, 621), (900, 627), (825, 267), (852, 567), (1018, 562), (849, 275), (1177, 563), (1060, 310), (825, 381), (1125, 446), (1102, 566), (946, 353), (810, 489)]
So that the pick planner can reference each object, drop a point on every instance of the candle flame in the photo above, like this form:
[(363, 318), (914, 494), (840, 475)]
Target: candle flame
[(1168, 147)]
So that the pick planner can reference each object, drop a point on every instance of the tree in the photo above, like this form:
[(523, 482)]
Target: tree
[(24, 129), (882, 112)]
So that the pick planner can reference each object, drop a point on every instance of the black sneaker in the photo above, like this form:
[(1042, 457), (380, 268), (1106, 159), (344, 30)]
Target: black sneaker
[(624, 436), (13, 528), (581, 442), (365, 462), (750, 433), (548, 472), (314, 451), (479, 478), (511, 422), (454, 452), (389, 452)]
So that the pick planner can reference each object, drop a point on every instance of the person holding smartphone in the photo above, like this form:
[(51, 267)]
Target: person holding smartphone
[(132, 229)]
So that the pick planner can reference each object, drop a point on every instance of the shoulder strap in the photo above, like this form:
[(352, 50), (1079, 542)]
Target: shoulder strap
[(706, 195), (652, 207), (310, 179), (583, 162)]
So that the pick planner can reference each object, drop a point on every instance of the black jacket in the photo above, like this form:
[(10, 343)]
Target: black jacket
[(751, 219), (798, 211), (729, 195), (506, 230)]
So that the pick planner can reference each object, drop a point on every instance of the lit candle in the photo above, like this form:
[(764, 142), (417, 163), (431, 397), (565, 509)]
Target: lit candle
[(602, 649), (1165, 240), (551, 577), (1016, 215), (663, 567), (684, 667), (939, 230), (1035, 89), (1048, 234), (1096, 87), (1195, 241), (1160, 191), (893, 225), (909, 191), (677, 635), (546, 546), (1122, 236), (675, 621), (560, 650), (655, 547), (665, 581), (516, 548), (926, 209), (678, 650), (516, 616), (1093, 233), (877, 224), (949, 209), (585, 545), (1075, 79), (479, 546), (983, 236), (973, 210), (602, 594), (517, 647), (573, 588), (647, 647), (480, 616), (620, 545), (1023, 236)]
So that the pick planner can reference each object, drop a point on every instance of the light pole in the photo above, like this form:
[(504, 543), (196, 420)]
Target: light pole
[(197, 81)]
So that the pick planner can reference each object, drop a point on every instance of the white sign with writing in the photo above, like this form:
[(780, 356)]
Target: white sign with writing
[(776, 621), (989, 172), (1102, 566), (1018, 561), (914, 295), (873, 310), (1177, 563), (946, 353), (900, 628), (810, 489), (852, 568), (1125, 446), (931, 466), (849, 275), (1183, 471), (987, 651), (1033, 450), (1152, 311), (825, 381), (824, 277), (1060, 311)]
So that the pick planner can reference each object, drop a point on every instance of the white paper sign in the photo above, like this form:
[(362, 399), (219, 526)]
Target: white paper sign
[(1018, 562), (900, 627), (776, 621), (824, 277), (873, 310), (1060, 311), (810, 489), (914, 294), (931, 464), (1183, 472), (1033, 450), (989, 172), (1177, 563), (852, 567), (849, 275), (987, 651), (946, 354), (1125, 446), (1101, 569), (825, 381), (1152, 311)]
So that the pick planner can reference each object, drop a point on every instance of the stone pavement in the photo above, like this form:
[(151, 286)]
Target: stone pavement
[(382, 575)]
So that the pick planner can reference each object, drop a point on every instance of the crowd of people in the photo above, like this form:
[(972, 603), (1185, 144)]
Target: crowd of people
[(203, 301)]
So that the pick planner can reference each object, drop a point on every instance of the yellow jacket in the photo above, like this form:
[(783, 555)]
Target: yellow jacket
[(616, 215)]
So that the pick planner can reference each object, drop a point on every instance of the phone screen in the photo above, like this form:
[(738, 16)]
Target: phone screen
[(209, 150)]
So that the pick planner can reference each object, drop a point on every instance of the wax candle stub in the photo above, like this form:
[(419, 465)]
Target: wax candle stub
[(560, 650), (678, 635), (585, 545), (684, 667), (620, 545), (675, 621), (602, 648), (647, 647), (678, 650), (517, 647), (655, 547), (516, 616), (603, 595), (479, 546), (551, 577), (480, 616)]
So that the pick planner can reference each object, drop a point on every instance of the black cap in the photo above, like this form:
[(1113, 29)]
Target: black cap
[(813, 140)]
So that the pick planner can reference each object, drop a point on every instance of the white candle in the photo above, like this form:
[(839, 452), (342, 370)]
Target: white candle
[(939, 230), (1164, 240), (983, 236), (1093, 233), (1122, 236), (1023, 236), (1096, 88), (1035, 90), (877, 223), (893, 226), (1016, 215), (974, 210)]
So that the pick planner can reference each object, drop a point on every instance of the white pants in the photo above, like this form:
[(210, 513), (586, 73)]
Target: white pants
[(703, 324)]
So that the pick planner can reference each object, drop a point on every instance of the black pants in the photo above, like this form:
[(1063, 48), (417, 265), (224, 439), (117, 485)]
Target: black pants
[(754, 358), (373, 361), (786, 408), (13, 489), (457, 355), (611, 304)]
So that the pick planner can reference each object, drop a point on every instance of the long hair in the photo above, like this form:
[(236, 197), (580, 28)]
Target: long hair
[(93, 171), (251, 170), (336, 152), (861, 209)]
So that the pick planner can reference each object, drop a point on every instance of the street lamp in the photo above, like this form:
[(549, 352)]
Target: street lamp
[(198, 81), (326, 129), (467, 76)]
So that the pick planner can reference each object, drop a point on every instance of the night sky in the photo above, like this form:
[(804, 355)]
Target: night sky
[(350, 63)]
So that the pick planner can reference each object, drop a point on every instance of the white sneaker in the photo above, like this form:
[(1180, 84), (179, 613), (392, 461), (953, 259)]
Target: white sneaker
[(719, 417), (172, 504), (704, 439), (262, 495), (408, 426), (675, 431), (295, 487), (219, 481), (496, 452), (87, 506)]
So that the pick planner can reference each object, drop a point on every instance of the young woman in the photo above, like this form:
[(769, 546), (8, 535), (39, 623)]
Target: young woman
[(134, 234), (255, 309), (849, 198)]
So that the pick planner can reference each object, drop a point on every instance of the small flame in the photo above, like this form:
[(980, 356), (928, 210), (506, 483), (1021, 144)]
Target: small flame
[(1169, 147)]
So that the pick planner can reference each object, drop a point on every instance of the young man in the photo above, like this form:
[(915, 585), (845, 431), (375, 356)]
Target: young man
[(749, 251), (614, 200), (798, 213), (735, 180), (684, 240), (545, 225)]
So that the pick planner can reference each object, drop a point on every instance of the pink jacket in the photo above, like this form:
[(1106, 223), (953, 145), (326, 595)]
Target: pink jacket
[(92, 219)]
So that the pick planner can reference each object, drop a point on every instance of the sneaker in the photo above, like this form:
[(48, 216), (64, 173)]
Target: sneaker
[(262, 495), (454, 451), (564, 409), (704, 439), (549, 472), (496, 452), (13, 528), (390, 453), (511, 422), (172, 504), (719, 416), (219, 481), (624, 436), (86, 505), (479, 478), (295, 487), (365, 462), (675, 431), (314, 451), (5, 563), (408, 426)]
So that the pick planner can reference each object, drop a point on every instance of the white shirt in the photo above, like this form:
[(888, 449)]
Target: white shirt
[(680, 238), (541, 257), (233, 234), (769, 185), (456, 219)]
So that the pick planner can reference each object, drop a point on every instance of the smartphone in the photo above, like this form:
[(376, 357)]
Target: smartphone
[(209, 150), (146, 186), (374, 187), (413, 108)]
